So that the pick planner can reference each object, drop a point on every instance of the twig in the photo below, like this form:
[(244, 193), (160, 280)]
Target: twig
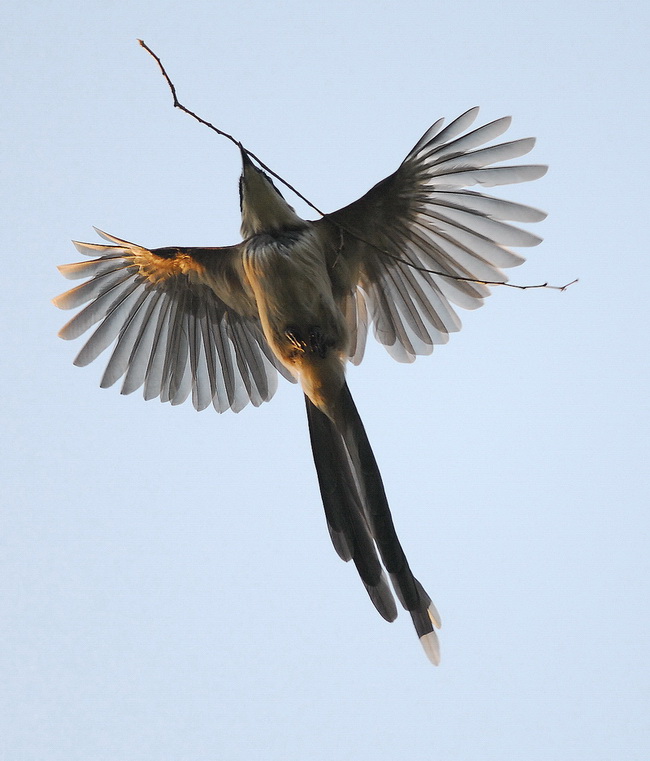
[(179, 105)]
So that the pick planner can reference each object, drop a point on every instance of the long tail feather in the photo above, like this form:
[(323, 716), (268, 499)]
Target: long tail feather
[(359, 517), (343, 509)]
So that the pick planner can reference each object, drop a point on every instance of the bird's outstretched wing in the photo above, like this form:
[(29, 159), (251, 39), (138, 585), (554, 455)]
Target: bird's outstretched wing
[(422, 215), (172, 333)]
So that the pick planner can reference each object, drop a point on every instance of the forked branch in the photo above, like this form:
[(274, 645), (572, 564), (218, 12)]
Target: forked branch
[(179, 105)]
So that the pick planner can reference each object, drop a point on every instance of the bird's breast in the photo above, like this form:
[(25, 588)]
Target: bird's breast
[(299, 315), (288, 275)]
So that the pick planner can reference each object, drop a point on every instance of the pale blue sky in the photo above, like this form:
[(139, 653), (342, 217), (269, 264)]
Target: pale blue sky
[(168, 591)]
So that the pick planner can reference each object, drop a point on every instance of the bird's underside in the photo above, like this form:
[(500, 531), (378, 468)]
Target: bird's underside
[(296, 297)]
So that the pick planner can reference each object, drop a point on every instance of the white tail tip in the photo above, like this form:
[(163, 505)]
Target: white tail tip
[(431, 647)]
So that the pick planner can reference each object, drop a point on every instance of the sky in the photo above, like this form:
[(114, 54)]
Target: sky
[(168, 590)]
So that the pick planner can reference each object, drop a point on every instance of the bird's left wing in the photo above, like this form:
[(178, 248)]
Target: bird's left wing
[(172, 332), (422, 218)]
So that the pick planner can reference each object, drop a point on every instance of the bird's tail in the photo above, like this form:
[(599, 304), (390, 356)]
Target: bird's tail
[(359, 519)]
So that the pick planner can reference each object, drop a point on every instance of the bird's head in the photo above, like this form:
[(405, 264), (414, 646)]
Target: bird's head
[(263, 208)]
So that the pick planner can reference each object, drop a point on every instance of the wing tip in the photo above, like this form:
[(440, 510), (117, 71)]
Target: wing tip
[(542, 169), (58, 302), (119, 242)]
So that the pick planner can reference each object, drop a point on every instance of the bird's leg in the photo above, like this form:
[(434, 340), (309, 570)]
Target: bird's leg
[(316, 342), (294, 335)]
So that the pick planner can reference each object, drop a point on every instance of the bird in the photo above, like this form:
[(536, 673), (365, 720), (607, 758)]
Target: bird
[(296, 298)]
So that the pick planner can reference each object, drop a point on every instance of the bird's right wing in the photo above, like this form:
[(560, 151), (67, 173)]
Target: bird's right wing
[(422, 218), (172, 332)]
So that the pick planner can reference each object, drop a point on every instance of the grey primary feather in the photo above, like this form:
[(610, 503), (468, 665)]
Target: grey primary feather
[(153, 378), (101, 284), (201, 388), (478, 203), (93, 268), (433, 130), (455, 127), (225, 360), (442, 148), (489, 178), (112, 292), (446, 162), (112, 322), (133, 349), (144, 335)]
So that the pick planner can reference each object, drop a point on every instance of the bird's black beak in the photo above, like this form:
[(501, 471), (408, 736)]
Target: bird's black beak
[(245, 159)]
